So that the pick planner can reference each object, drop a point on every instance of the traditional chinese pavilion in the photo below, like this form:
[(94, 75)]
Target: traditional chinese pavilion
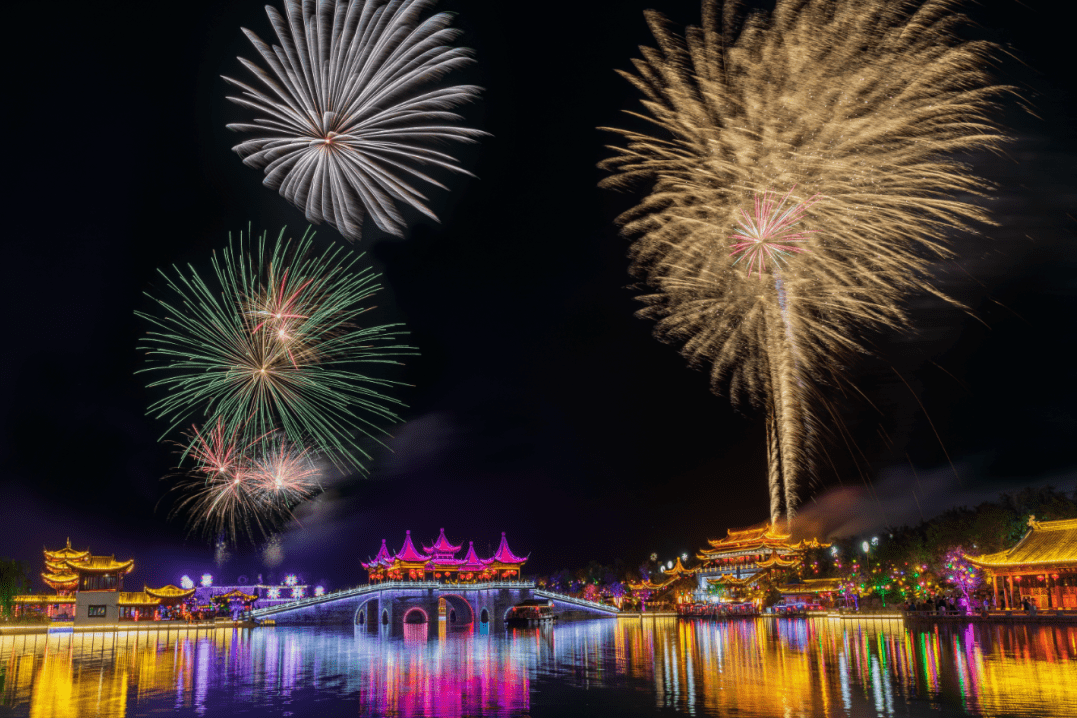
[(438, 562), (746, 555), (89, 589), (1042, 566)]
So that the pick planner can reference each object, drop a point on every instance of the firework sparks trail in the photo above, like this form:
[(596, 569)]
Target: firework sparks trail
[(862, 103), (347, 112), (305, 375)]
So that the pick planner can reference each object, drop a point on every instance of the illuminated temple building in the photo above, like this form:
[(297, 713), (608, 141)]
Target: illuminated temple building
[(89, 589), (438, 562), (743, 557), (1042, 566)]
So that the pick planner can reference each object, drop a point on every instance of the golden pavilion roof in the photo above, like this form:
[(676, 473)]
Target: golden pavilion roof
[(137, 598), (764, 537), (54, 580), (101, 564), (776, 559), (1047, 543), (65, 554), (812, 585), (42, 598), (679, 570), (169, 592), (649, 586), (235, 593)]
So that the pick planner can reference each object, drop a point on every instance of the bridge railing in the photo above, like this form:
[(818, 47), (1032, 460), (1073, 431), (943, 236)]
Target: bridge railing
[(604, 607), (386, 585)]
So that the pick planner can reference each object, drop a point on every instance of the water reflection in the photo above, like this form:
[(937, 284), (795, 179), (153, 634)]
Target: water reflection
[(766, 667)]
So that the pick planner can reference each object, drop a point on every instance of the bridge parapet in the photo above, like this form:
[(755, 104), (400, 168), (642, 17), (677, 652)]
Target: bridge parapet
[(580, 603), (391, 587)]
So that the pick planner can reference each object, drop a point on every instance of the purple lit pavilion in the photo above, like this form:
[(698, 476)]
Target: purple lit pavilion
[(439, 563)]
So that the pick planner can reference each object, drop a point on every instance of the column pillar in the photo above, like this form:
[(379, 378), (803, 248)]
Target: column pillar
[(994, 587), (1009, 592)]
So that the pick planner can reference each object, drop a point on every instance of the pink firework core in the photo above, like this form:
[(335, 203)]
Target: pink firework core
[(768, 233)]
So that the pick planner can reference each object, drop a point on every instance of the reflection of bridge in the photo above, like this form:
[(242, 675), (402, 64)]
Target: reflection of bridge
[(393, 603)]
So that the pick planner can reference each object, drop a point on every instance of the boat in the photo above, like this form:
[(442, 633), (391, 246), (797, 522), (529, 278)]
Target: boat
[(533, 612)]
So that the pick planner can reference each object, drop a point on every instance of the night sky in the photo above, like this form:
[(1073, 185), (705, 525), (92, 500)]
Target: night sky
[(539, 405)]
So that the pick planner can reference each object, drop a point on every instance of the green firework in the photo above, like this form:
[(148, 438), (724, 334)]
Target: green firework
[(273, 342)]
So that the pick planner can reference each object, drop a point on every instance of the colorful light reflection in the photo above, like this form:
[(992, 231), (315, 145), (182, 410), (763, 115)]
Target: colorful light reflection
[(767, 667)]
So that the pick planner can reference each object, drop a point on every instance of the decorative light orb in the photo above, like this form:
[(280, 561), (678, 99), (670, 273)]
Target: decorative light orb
[(684, 557), (186, 582), (866, 546), (874, 540), (291, 580), (273, 592), (833, 550), (298, 592), (207, 579), (319, 591), (654, 557)]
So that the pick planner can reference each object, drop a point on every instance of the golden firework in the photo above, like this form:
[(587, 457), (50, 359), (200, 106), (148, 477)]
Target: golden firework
[(862, 103)]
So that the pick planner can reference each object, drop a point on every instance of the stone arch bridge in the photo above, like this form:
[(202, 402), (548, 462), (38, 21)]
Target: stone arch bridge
[(392, 603)]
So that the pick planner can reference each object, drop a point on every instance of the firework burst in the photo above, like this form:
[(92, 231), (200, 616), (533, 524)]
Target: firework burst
[(861, 102), (768, 233), (243, 487), (348, 113), (273, 343)]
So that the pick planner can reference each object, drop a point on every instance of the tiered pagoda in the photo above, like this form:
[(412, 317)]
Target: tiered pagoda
[(89, 589), (438, 562), (744, 556), (1042, 567)]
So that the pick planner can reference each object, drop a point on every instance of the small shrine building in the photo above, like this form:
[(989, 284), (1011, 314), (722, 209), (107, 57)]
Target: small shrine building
[(89, 589), (1041, 567), (438, 562)]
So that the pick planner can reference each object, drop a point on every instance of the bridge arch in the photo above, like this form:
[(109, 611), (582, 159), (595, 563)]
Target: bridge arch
[(412, 611), (385, 617), (484, 615), (367, 612), (464, 612)]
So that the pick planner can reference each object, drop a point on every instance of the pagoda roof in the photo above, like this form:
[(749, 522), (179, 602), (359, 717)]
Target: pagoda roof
[(752, 537), (409, 554), (1047, 543), (101, 564), (679, 570), (137, 598), (235, 593), (471, 560), (60, 580), (65, 554), (384, 558), (442, 545), (649, 586), (734, 581), (169, 592), (41, 598), (776, 559), (812, 585), (504, 555)]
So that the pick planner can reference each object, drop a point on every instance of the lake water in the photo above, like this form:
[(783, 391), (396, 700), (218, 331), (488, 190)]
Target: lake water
[(613, 667)]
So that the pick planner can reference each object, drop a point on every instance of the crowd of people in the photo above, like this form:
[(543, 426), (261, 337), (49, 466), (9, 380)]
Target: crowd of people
[(944, 605)]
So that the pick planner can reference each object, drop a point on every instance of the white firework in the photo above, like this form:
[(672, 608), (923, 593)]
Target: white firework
[(350, 106)]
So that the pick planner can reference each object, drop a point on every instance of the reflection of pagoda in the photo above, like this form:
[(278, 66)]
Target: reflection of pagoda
[(745, 556), (89, 589), (438, 562)]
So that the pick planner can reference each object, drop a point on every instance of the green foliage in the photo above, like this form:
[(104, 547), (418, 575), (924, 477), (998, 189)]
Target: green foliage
[(14, 580), (910, 561)]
